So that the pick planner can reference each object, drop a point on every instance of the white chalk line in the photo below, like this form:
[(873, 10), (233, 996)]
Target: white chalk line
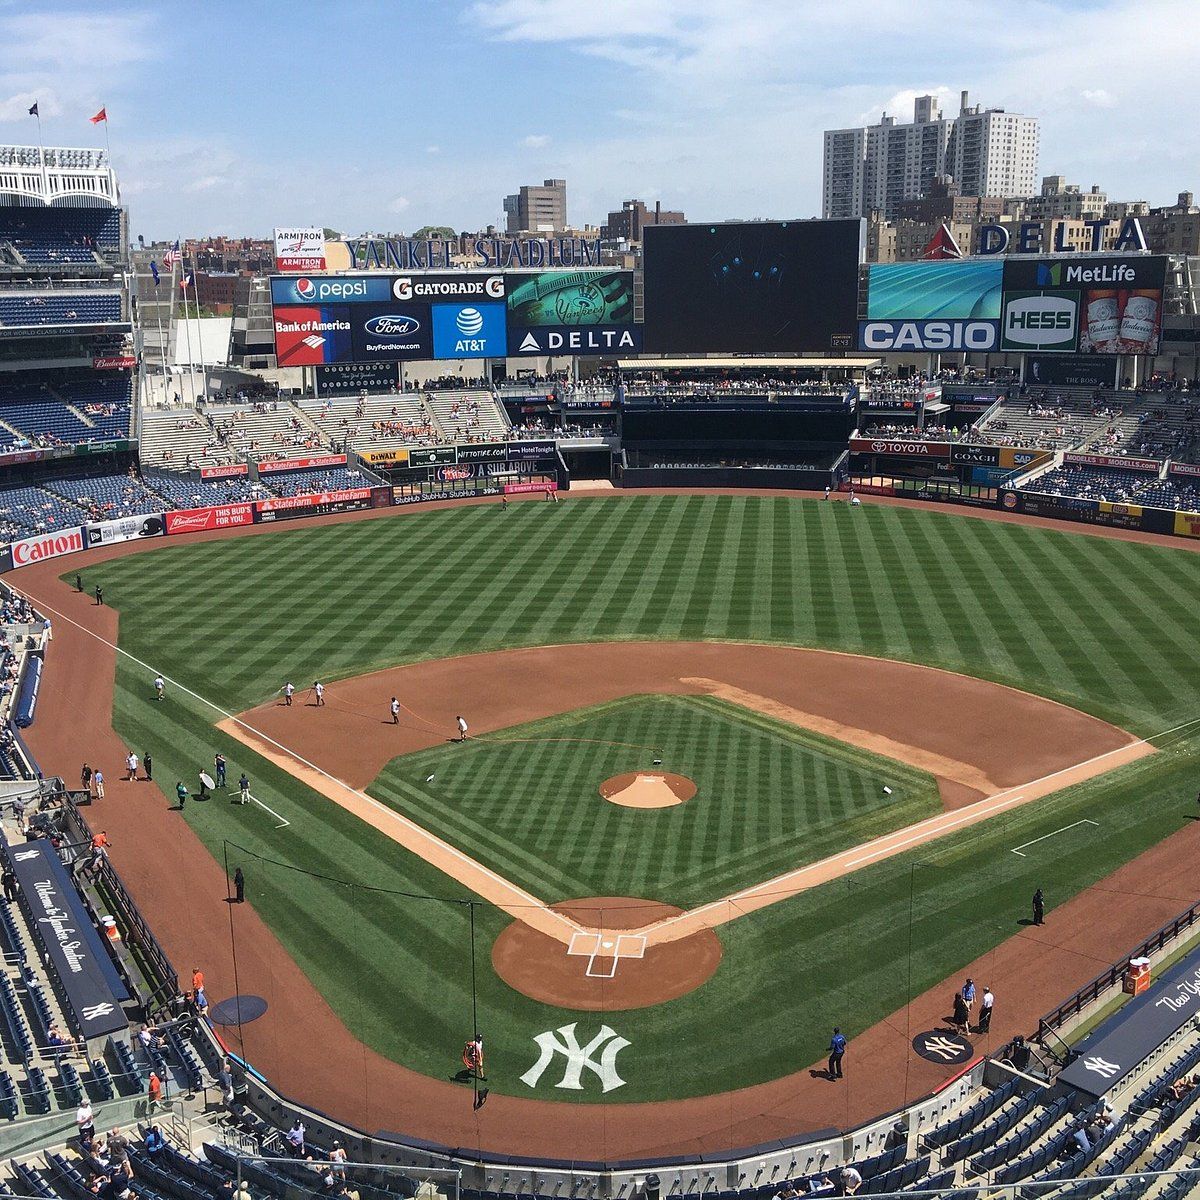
[(875, 848), (528, 899), (1017, 850)]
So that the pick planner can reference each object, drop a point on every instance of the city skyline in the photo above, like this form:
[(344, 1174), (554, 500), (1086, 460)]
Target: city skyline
[(710, 108)]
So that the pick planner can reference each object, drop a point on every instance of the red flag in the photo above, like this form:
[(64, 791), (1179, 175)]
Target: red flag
[(102, 115), (942, 245)]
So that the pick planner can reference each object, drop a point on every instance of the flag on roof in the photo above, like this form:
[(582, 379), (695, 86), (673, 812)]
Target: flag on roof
[(33, 109), (942, 244), (172, 255), (187, 280), (154, 271), (102, 115)]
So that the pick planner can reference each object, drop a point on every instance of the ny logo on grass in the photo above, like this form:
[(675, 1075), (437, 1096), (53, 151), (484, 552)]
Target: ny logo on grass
[(563, 1041)]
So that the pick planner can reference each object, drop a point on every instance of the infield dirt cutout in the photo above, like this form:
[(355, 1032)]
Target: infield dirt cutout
[(647, 789), (991, 748)]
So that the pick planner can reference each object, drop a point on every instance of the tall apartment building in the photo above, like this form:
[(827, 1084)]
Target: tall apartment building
[(988, 152), (536, 209)]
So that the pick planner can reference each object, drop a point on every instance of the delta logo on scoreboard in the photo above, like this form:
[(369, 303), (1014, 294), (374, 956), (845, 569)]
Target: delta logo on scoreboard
[(300, 249)]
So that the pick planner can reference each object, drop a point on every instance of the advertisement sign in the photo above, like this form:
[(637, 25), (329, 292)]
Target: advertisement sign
[(401, 497), (384, 458), (469, 331), (433, 457), (981, 456), (594, 340), (300, 249), (928, 335), (312, 463), (1187, 524), (317, 504), (1011, 457), (504, 451), (540, 486), (225, 472), (47, 545), (394, 332), (1077, 370), (900, 449), (1112, 461), (1188, 469), (308, 336), (947, 290), (350, 378), (550, 299), (331, 289), (1118, 300), (750, 287), (218, 516), (1040, 320), (124, 529), (454, 474), (114, 362), (455, 286)]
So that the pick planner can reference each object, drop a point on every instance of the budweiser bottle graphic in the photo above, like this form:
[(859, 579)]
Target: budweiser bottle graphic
[(1139, 323), (1103, 321)]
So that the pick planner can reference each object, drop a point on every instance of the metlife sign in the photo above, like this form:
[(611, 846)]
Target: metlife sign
[(1041, 320), (962, 335)]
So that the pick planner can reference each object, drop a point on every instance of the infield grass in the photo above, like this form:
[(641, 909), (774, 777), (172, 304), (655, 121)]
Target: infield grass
[(1103, 625), (769, 798)]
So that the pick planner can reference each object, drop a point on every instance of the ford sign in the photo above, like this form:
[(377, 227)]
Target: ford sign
[(399, 325)]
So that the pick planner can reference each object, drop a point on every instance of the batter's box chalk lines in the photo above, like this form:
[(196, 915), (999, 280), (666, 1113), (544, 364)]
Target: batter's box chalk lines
[(608, 950), (1017, 850)]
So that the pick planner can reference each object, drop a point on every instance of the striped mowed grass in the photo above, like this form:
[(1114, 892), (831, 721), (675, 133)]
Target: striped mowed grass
[(1102, 625)]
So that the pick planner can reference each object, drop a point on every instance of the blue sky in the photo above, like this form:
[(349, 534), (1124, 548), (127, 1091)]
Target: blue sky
[(385, 116)]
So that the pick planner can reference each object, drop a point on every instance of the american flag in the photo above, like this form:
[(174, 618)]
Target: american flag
[(173, 255)]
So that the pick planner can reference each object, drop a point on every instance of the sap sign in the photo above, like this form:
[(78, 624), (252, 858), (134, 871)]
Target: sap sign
[(1026, 237), (469, 331), (327, 289), (928, 335), (1040, 321)]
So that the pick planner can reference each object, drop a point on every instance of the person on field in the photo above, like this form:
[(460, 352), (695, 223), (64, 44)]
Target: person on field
[(239, 886), (986, 1005), (837, 1050), (968, 993), (85, 778), (461, 723), (319, 692), (962, 1015), (99, 595), (288, 692), (98, 781), (221, 766), (395, 709), (181, 793), (1039, 908), (159, 687), (131, 766), (148, 765), (244, 789)]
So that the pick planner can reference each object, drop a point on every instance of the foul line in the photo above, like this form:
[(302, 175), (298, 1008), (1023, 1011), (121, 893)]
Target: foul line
[(527, 899), (283, 821), (1073, 824)]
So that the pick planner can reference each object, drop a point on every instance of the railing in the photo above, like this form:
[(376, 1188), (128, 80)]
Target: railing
[(1091, 991)]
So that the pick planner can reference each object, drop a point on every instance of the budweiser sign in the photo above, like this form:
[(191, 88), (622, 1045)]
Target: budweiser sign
[(48, 545), (302, 464), (114, 362), (219, 516)]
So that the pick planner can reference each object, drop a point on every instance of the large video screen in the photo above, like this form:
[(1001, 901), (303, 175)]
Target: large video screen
[(755, 287), (572, 312)]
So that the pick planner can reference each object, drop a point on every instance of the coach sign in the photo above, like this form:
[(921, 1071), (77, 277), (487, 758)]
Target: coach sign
[(76, 952), (1138, 1030)]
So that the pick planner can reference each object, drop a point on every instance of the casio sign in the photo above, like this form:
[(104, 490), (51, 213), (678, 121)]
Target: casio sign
[(392, 326), (1039, 320), (928, 335)]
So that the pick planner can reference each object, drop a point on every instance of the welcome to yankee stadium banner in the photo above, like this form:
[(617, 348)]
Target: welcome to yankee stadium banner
[(75, 949)]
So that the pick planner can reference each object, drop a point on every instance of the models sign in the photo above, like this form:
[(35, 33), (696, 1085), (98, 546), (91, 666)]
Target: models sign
[(301, 249)]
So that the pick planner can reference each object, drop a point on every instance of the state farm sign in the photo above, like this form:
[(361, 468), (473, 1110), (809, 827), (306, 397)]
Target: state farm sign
[(48, 545)]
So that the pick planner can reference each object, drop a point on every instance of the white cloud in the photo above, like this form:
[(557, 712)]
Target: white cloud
[(1099, 97), (399, 204), (16, 108), (433, 149), (535, 141), (205, 183)]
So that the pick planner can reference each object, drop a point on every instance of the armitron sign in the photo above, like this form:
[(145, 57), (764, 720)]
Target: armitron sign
[(48, 545)]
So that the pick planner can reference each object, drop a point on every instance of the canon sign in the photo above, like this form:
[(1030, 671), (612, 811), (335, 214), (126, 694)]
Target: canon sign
[(48, 545)]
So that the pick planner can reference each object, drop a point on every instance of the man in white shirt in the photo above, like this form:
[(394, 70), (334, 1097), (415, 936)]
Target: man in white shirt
[(985, 1009)]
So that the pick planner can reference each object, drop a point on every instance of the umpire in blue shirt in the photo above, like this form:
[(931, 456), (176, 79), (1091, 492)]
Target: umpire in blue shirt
[(837, 1047)]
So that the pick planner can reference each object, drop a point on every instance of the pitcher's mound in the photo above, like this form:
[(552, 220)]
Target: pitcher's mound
[(646, 789)]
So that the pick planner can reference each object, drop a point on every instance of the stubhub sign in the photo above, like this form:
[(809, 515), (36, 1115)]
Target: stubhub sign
[(469, 331)]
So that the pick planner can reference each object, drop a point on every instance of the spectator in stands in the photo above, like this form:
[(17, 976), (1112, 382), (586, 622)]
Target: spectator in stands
[(84, 1119), (150, 1039), (225, 1083), (8, 881), (118, 1153), (154, 1143), (849, 1181), (153, 1090), (295, 1138), (1180, 1088)]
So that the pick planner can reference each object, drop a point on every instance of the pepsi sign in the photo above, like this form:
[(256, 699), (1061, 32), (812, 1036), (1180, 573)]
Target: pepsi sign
[(330, 289)]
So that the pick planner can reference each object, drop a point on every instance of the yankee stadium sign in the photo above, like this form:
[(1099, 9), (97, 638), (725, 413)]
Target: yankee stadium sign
[(422, 254)]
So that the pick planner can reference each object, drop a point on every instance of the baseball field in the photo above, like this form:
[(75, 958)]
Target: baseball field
[(649, 751)]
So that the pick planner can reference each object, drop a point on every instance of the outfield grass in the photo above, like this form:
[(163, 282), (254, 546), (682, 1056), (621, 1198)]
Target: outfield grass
[(1106, 626), (769, 798)]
